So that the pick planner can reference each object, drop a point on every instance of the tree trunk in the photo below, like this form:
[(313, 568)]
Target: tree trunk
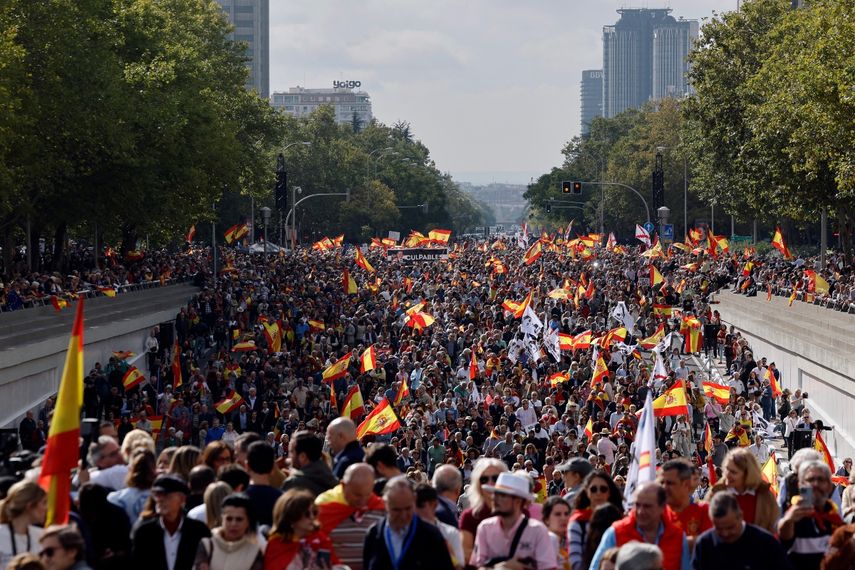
[(33, 247), (58, 263), (8, 248), (844, 220)]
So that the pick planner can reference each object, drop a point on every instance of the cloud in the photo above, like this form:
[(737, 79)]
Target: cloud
[(408, 48)]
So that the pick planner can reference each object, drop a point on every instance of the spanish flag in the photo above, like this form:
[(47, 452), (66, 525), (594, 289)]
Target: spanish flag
[(229, 404), (382, 419), (662, 310), (473, 366), (338, 240), (778, 243), (58, 303), (236, 232), (191, 233), (819, 445), (672, 403), (582, 341), (773, 382), (816, 283), (718, 391), (337, 369), (107, 291), (273, 334), (133, 377), (362, 262), (691, 330), (654, 339), (565, 341), (63, 446), (601, 372), (403, 392), (333, 507), (439, 236), (533, 253), (316, 326), (354, 406), (558, 378), (177, 377), (245, 346), (368, 360), (770, 473), (708, 447), (348, 283), (655, 276), (738, 433), (589, 429), (615, 335)]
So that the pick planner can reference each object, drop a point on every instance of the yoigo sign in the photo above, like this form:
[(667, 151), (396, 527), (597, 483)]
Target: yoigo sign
[(346, 84)]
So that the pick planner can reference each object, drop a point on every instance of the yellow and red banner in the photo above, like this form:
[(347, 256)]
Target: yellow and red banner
[(273, 334), (191, 233), (770, 473), (63, 446), (245, 346), (672, 403), (368, 360), (381, 420), (601, 372), (719, 392), (439, 236), (403, 392), (654, 339), (229, 404), (773, 382), (655, 276), (316, 326), (354, 406), (819, 445), (338, 368), (533, 253)]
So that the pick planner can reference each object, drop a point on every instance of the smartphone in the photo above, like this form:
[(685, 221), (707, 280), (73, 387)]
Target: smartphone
[(806, 493), (324, 558)]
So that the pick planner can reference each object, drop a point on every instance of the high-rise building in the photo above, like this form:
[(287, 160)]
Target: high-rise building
[(346, 102), (251, 19), (644, 57), (592, 97)]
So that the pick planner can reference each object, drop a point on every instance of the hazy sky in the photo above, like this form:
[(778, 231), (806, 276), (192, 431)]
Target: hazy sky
[(490, 86)]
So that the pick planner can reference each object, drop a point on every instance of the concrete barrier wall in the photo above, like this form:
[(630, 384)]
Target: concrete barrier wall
[(813, 347), (31, 364)]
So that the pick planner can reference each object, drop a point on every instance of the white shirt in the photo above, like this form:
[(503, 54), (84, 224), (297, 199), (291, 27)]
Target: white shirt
[(6, 550), (170, 543), (454, 540), (761, 452), (607, 447)]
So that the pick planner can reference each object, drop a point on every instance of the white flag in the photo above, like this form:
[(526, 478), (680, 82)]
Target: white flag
[(531, 323), (643, 466), (642, 235), (622, 315), (659, 371), (551, 342)]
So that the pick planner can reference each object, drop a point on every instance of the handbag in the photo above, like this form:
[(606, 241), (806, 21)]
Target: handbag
[(517, 536)]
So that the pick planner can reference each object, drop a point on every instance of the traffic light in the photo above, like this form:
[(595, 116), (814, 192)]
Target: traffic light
[(566, 187), (549, 207), (577, 187)]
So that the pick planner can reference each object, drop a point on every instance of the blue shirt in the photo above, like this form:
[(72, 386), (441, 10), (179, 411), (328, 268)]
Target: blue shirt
[(610, 541)]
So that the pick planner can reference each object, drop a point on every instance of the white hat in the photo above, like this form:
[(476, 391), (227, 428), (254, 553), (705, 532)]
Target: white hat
[(510, 484)]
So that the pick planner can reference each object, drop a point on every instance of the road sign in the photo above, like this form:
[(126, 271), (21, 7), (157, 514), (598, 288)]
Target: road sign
[(668, 231), (649, 227)]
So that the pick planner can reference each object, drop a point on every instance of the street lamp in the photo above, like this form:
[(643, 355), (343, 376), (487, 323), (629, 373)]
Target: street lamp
[(370, 154), (265, 215), (663, 213), (685, 189)]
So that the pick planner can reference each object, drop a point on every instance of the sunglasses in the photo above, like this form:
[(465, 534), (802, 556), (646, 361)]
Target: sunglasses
[(48, 552), (598, 489), (486, 478)]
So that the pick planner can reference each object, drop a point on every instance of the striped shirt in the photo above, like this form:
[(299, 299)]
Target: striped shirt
[(348, 537)]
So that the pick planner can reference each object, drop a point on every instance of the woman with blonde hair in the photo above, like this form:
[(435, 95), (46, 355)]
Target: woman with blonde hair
[(136, 438), (141, 474), (164, 459), (185, 459), (209, 511), (485, 472), (743, 477), (21, 514)]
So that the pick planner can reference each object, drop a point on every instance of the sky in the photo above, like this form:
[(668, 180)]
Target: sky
[(491, 87)]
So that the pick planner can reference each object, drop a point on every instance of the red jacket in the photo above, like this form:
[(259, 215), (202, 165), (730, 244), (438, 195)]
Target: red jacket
[(670, 543)]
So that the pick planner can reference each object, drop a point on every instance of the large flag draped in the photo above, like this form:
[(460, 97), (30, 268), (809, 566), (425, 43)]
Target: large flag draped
[(61, 454), (643, 466)]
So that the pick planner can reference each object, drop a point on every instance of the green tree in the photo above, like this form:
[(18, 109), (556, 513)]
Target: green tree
[(372, 206)]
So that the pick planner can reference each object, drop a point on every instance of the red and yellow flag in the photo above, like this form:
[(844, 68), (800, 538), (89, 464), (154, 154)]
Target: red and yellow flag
[(779, 244), (191, 233), (819, 445), (58, 303), (382, 419), (773, 382), (354, 406), (558, 378), (655, 276), (348, 283), (770, 473), (338, 368), (403, 392), (601, 372), (565, 341), (589, 429), (473, 366), (653, 339), (533, 253), (133, 377), (177, 377), (368, 360), (439, 236), (229, 404), (236, 232), (273, 334), (63, 446), (718, 391), (316, 326), (582, 341), (362, 262), (672, 403), (245, 346)]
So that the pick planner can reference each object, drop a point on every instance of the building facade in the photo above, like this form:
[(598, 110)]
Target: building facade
[(346, 102), (251, 19), (644, 58), (592, 97)]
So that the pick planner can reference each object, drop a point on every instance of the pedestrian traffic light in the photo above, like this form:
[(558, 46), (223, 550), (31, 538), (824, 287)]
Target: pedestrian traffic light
[(577, 187), (566, 187)]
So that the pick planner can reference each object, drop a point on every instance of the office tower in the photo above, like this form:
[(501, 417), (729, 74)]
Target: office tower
[(251, 19), (346, 102), (644, 57), (592, 97)]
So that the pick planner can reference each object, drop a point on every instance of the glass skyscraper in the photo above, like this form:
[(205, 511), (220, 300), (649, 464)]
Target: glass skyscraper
[(251, 19), (592, 97)]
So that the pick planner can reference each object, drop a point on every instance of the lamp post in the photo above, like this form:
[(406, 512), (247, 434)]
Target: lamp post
[(281, 181), (370, 154), (265, 215), (663, 213)]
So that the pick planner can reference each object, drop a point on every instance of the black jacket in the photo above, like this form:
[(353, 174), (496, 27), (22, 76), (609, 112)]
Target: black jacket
[(427, 549), (148, 551)]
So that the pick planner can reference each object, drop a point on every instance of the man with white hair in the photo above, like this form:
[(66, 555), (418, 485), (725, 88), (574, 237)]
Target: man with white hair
[(639, 556), (448, 483), (805, 529)]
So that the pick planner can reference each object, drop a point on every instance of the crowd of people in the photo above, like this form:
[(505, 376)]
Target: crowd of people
[(506, 454)]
